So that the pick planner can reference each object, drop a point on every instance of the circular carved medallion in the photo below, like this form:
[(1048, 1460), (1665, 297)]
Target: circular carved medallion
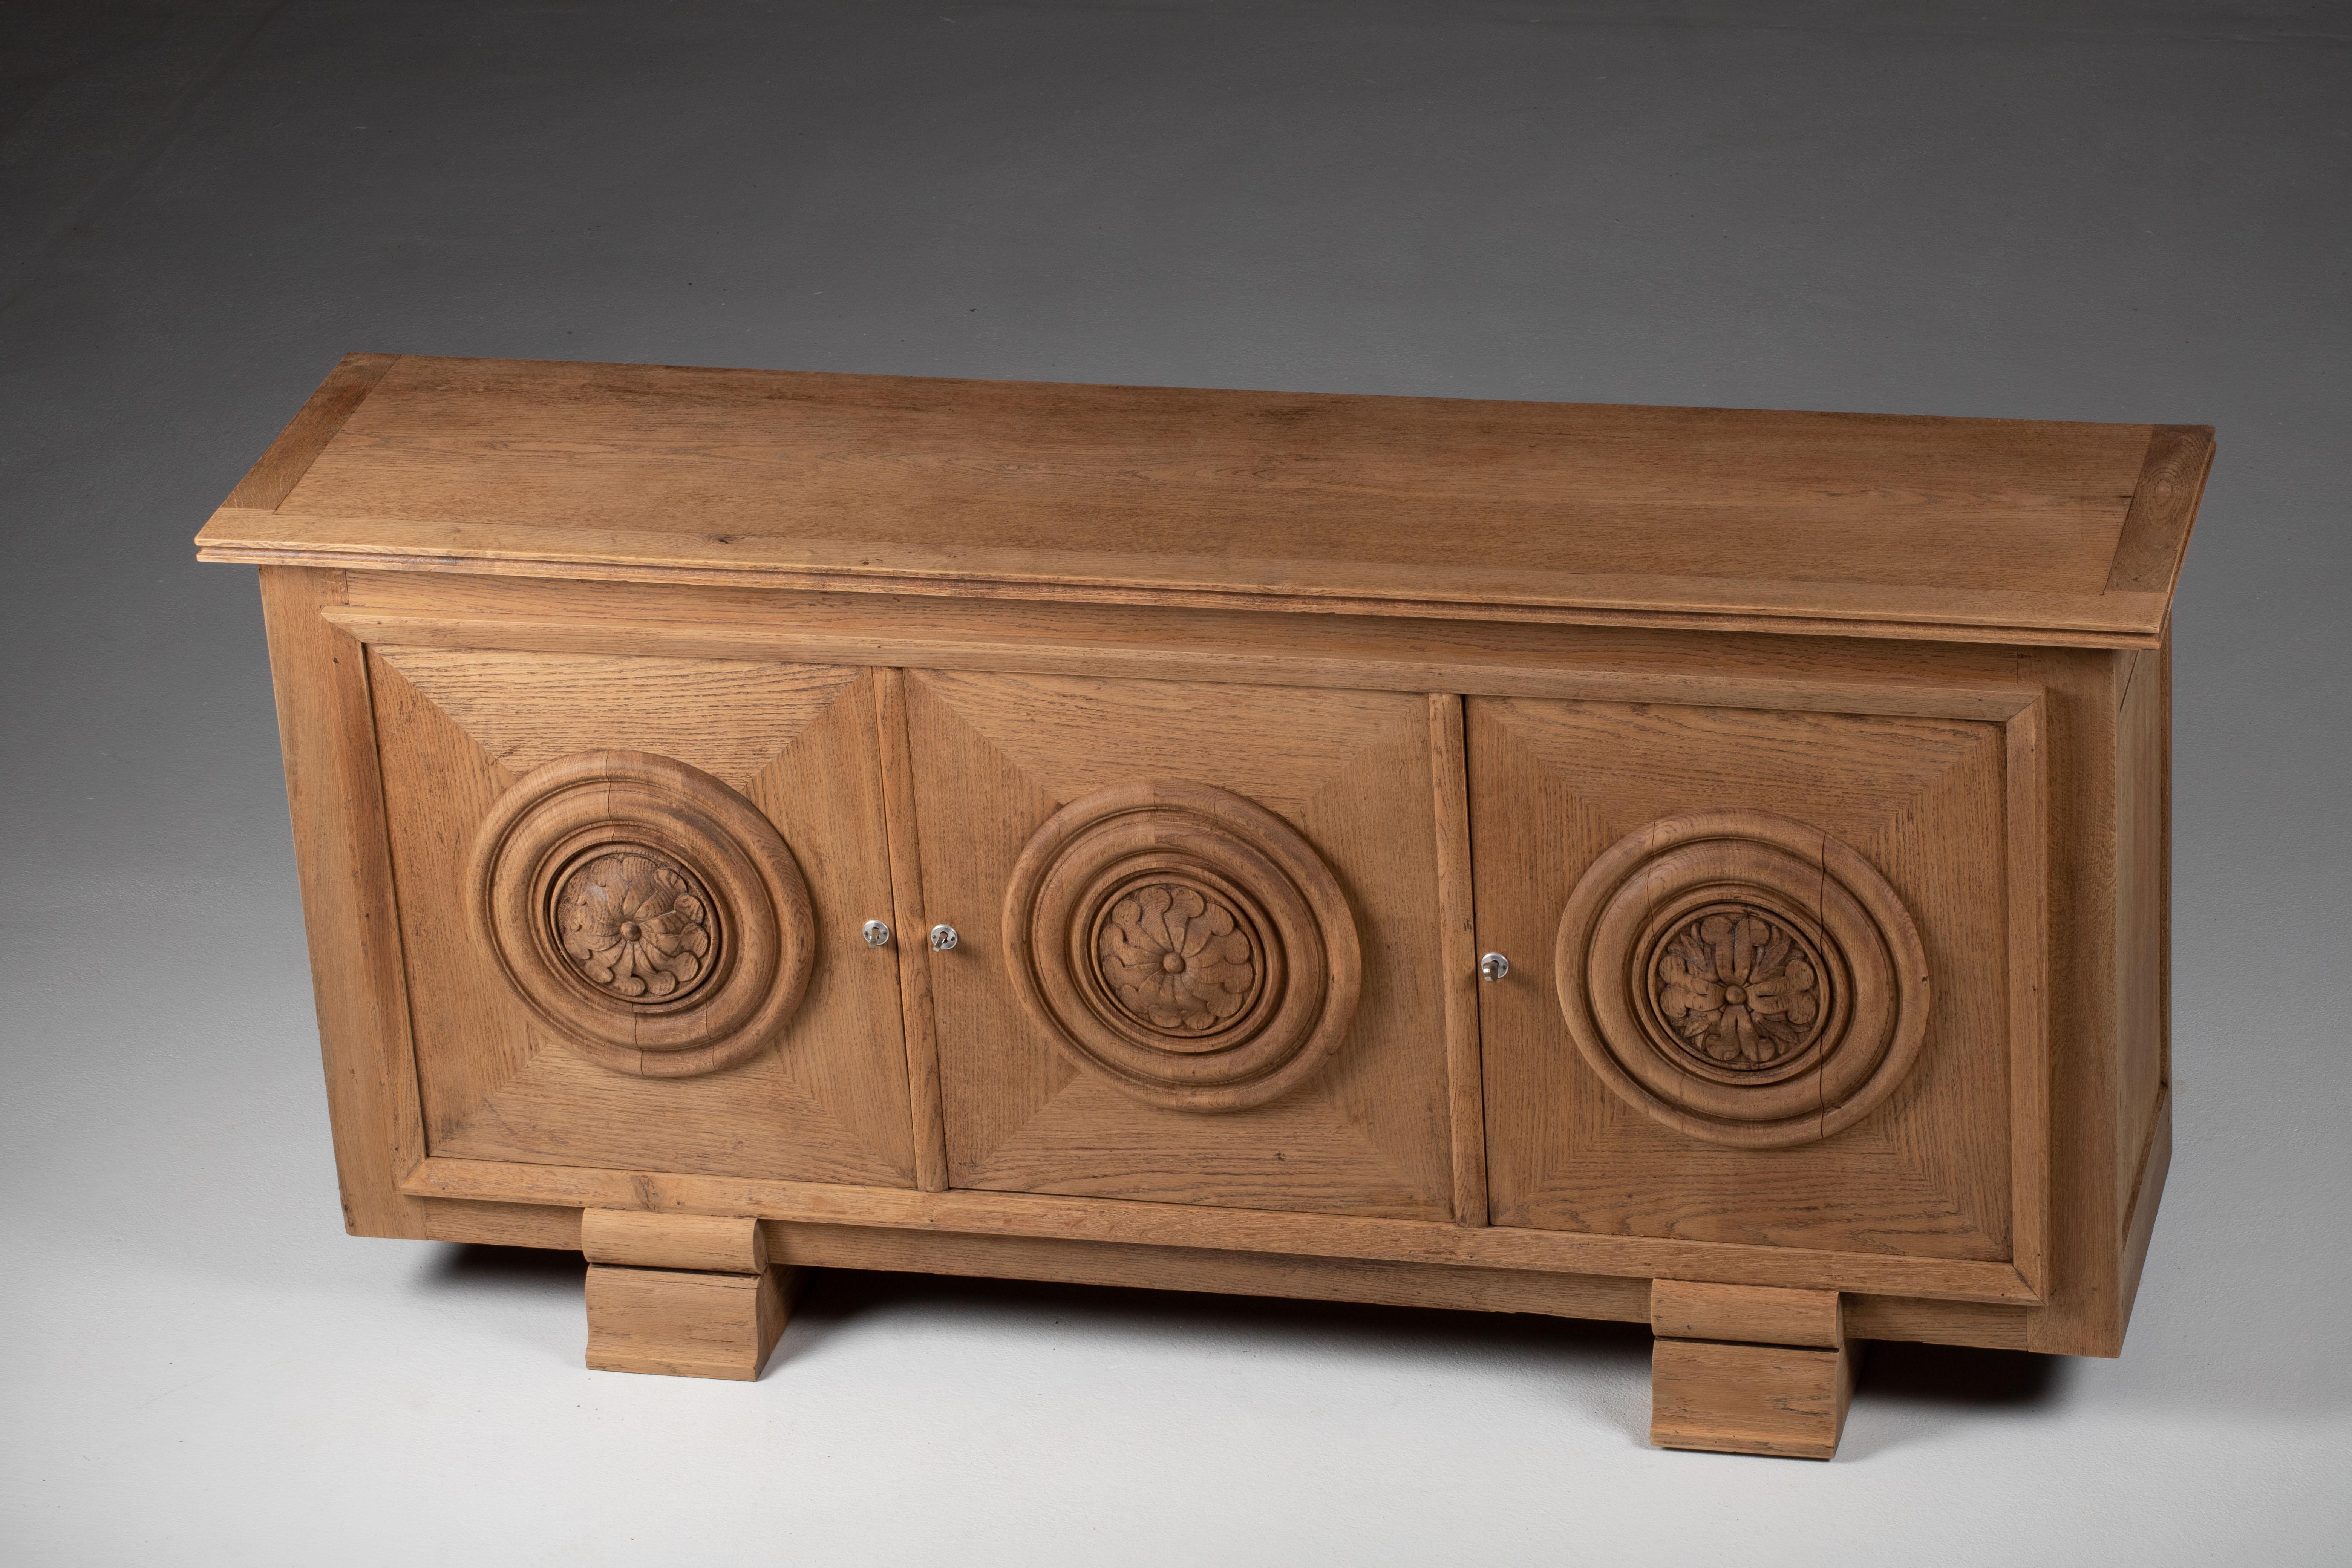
[(1742, 977), (1738, 988), (636, 925), (1177, 957), (646, 913), (1184, 943)]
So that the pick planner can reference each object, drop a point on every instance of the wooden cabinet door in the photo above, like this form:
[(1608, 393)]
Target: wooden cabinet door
[(1199, 941), (1774, 975), (630, 894)]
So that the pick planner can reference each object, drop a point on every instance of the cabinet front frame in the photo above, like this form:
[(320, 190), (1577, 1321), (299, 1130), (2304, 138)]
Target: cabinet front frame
[(320, 618)]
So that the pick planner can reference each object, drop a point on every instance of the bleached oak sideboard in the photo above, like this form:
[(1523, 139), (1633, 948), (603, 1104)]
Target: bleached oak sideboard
[(1694, 867)]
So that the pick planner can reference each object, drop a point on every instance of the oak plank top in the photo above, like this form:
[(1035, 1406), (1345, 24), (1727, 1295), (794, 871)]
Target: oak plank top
[(1981, 530)]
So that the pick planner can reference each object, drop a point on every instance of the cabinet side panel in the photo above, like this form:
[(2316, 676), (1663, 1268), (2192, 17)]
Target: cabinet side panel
[(2082, 1310), (2143, 942), (347, 911)]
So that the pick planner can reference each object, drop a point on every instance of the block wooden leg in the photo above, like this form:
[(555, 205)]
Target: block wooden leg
[(1747, 1370), (686, 1325), (684, 1295)]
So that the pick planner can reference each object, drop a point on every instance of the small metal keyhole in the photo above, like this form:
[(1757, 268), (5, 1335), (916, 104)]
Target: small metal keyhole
[(944, 938), (877, 934), (1493, 966)]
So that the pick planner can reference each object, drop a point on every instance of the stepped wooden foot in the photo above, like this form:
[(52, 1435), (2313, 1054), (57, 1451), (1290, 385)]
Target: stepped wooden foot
[(682, 1295), (1742, 1369)]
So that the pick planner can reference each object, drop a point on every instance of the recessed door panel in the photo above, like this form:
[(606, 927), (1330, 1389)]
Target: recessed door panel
[(630, 891), (1198, 941), (1760, 969)]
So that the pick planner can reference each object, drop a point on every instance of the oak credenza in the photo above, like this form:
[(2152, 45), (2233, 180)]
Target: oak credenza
[(1704, 868)]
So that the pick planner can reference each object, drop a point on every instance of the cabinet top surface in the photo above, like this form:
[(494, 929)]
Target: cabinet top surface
[(1980, 529)]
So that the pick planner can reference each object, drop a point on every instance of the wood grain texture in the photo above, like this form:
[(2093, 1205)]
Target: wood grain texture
[(915, 953), (1932, 1322), (1749, 1399), (679, 1324), (997, 757), (1929, 1172), (1745, 1314), (650, 917), (827, 1098), (320, 419), (1839, 675), (1458, 960), (1387, 1282), (1902, 526), (1798, 673), (2155, 539), (2025, 770), (349, 910), (1182, 943), (2087, 1314), (1030, 593), (501, 1224), (1313, 1234), (1394, 1283), (2139, 1230), (709, 1244), (2142, 875)]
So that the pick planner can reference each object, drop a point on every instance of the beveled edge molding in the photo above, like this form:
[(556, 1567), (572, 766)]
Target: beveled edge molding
[(1183, 943), (1653, 902), (2123, 618), (1467, 674), (711, 946), (319, 420), (977, 1213)]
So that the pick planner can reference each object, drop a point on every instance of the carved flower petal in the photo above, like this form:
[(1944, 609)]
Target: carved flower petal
[(1163, 925), (1213, 925), (1121, 948), (1125, 977), (1695, 995), (1226, 976), (1139, 916), (1739, 1022), (1222, 1004)]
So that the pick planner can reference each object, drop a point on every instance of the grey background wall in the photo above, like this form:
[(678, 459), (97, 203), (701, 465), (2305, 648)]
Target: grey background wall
[(2048, 210)]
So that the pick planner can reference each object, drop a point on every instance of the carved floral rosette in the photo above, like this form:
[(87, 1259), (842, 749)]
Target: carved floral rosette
[(1742, 977), (646, 913), (1183, 942)]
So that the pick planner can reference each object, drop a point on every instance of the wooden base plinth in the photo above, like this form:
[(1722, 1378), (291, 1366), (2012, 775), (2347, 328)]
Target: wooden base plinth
[(683, 1325), (1748, 1399), (1719, 1394)]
